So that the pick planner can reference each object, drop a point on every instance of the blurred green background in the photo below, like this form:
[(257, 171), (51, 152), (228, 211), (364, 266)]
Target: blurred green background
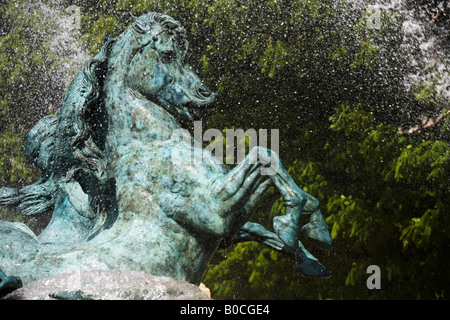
[(362, 109)]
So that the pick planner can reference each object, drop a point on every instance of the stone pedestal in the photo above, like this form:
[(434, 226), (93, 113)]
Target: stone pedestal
[(108, 285)]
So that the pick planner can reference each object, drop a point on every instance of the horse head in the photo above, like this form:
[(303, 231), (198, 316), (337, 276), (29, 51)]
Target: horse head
[(158, 70)]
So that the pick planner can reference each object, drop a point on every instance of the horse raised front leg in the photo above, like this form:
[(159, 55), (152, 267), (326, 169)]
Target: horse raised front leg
[(246, 183), (308, 265)]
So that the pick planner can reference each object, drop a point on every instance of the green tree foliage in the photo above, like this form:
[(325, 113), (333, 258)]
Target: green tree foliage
[(340, 95)]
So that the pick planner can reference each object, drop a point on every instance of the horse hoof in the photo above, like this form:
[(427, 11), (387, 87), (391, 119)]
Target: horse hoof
[(287, 230), (9, 284), (318, 236), (316, 231), (312, 269)]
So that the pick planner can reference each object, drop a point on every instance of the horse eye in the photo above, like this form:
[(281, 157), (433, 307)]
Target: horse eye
[(155, 38)]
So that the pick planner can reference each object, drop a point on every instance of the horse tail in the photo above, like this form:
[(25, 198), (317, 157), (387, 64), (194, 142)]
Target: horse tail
[(70, 149), (9, 197), (37, 198)]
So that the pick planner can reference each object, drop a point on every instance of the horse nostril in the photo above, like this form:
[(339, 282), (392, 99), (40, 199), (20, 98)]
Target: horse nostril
[(204, 92)]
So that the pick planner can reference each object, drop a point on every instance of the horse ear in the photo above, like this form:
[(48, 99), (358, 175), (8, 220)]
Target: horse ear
[(140, 32), (137, 25)]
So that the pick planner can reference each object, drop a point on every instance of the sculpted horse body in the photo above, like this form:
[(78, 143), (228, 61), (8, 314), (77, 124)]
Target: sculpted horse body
[(119, 200)]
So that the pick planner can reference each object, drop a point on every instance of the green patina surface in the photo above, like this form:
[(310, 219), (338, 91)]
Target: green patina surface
[(118, 198)]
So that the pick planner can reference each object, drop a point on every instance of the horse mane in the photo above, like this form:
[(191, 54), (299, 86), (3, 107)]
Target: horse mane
[(90, 126)]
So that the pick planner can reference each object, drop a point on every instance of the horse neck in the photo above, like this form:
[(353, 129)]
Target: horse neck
[(132, 119)]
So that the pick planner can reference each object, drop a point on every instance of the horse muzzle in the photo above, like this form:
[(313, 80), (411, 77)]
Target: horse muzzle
[(203, 95)]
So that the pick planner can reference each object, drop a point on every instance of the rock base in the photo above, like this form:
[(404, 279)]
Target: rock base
[(108, 285)]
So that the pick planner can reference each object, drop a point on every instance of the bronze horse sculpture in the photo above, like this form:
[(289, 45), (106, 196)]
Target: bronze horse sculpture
[(118, 201)]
